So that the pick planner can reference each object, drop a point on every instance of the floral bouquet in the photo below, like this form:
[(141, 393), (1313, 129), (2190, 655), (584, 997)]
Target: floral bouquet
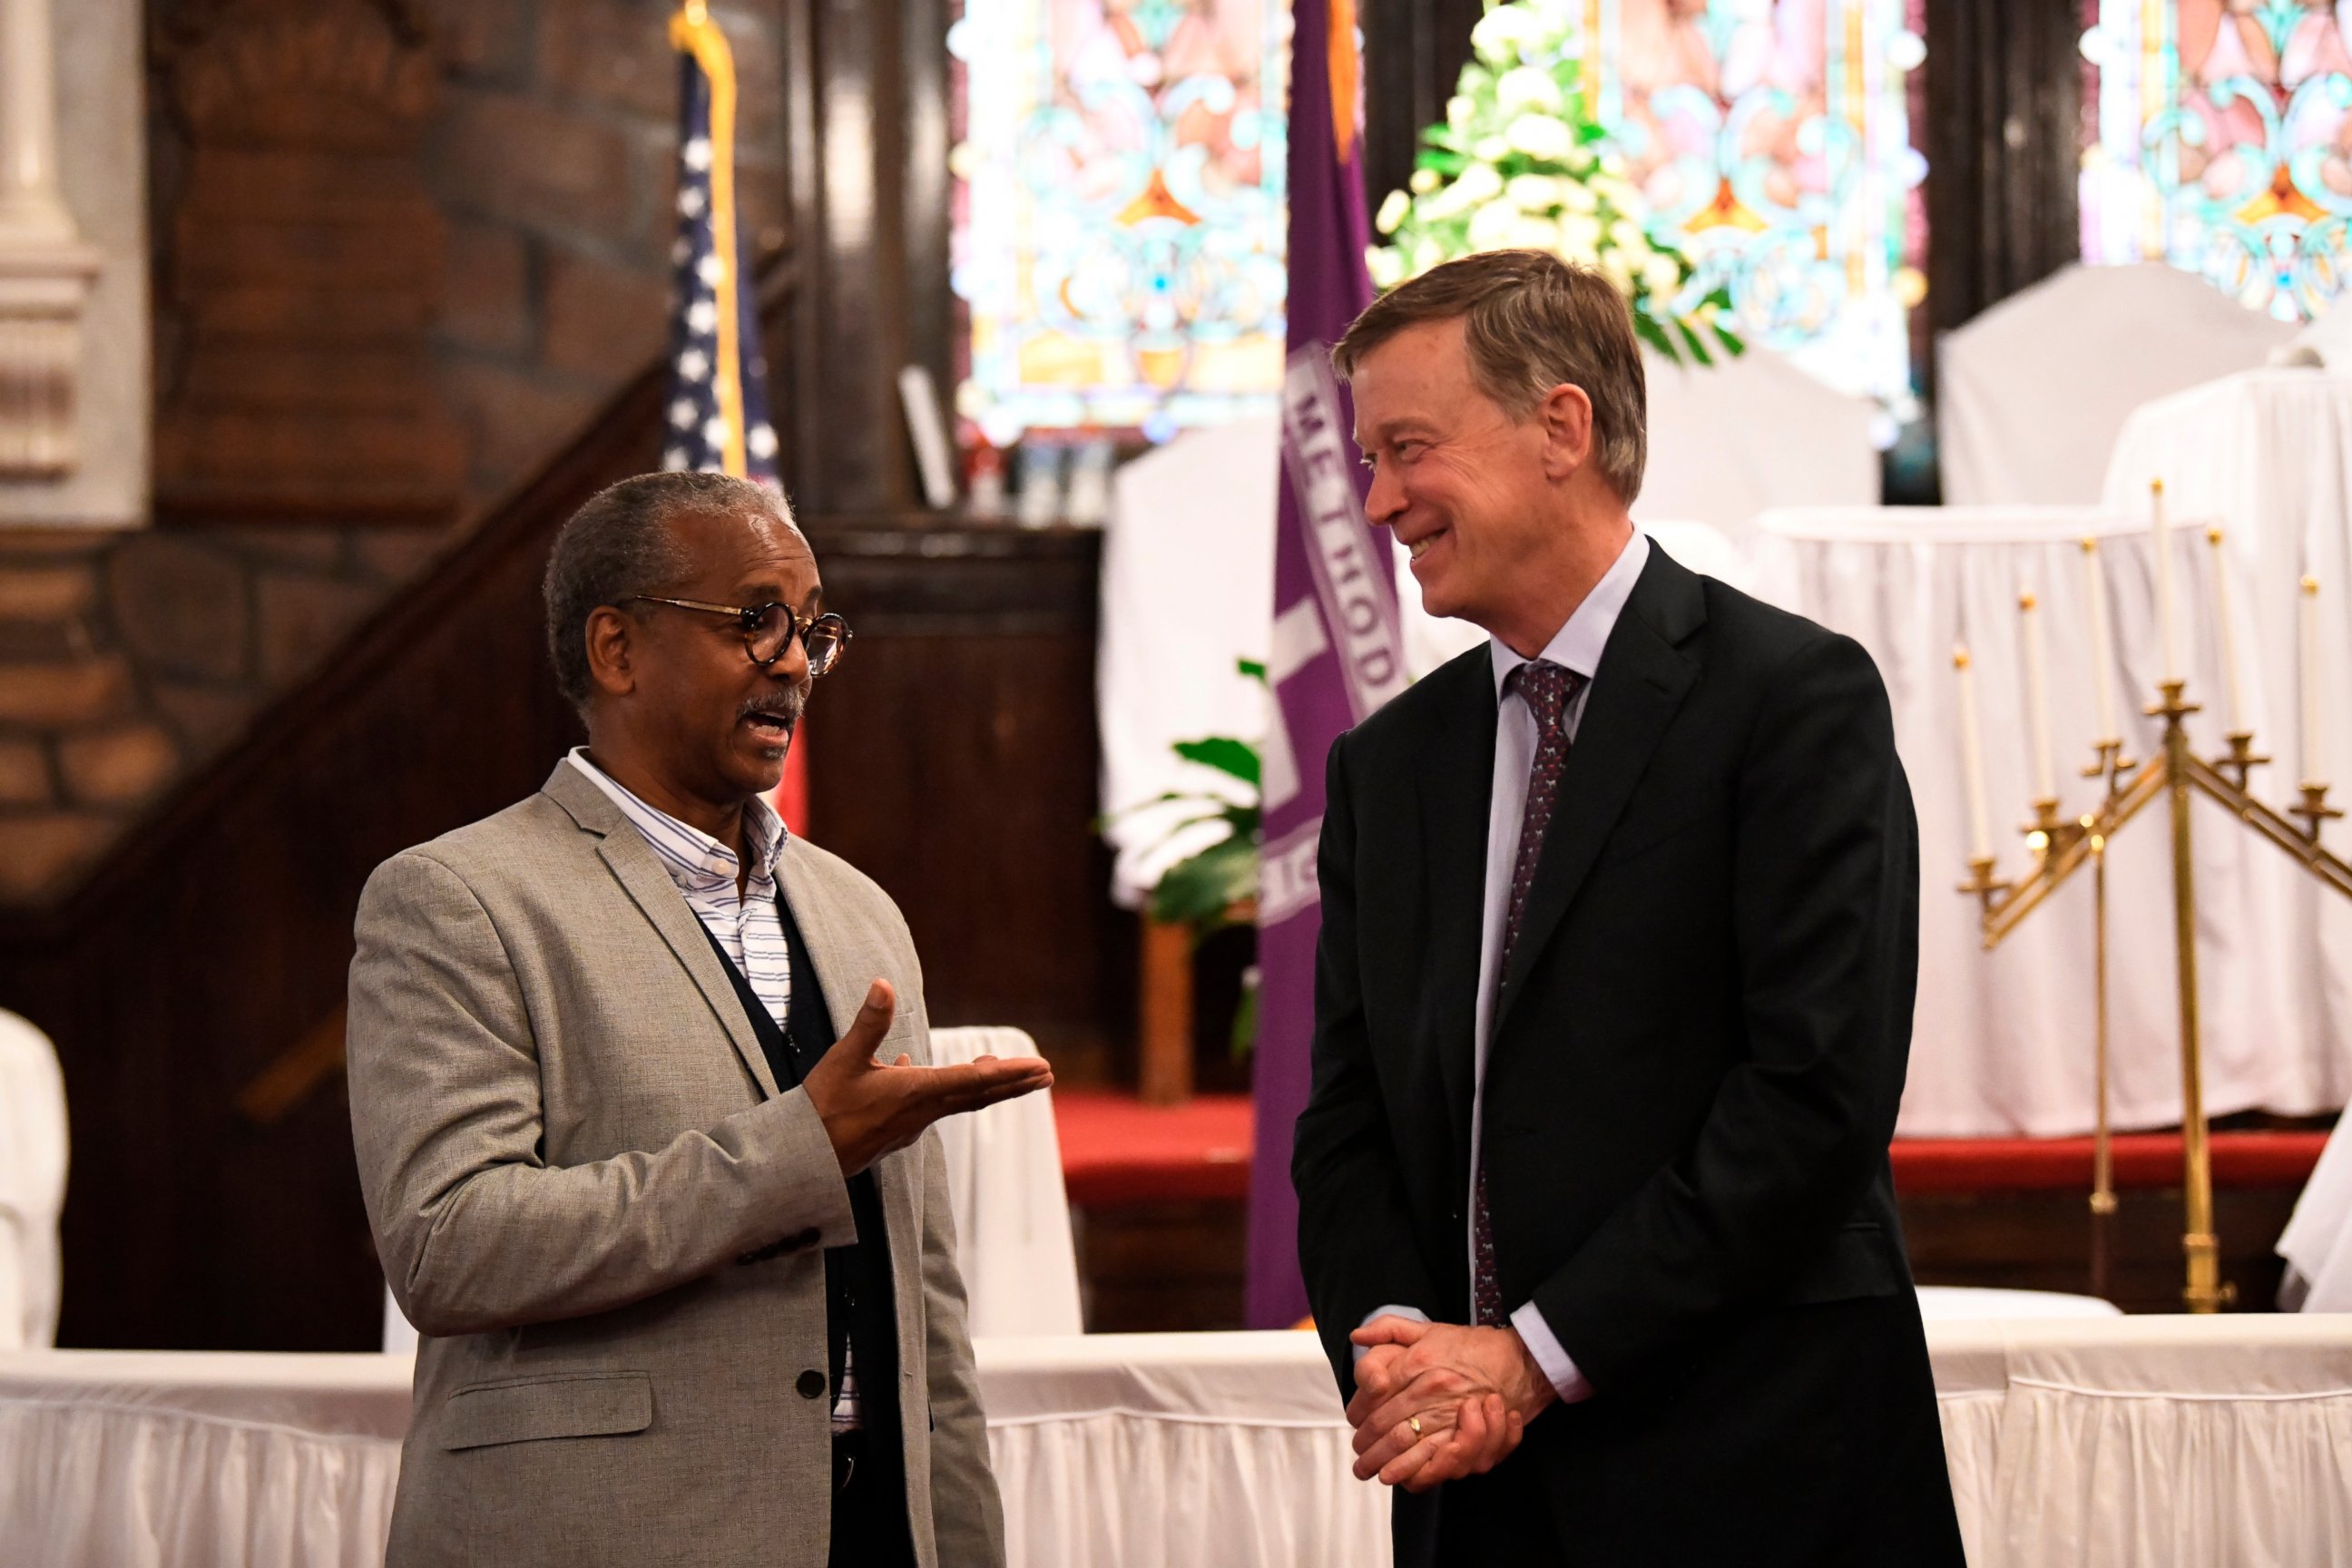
[(1519, 164)]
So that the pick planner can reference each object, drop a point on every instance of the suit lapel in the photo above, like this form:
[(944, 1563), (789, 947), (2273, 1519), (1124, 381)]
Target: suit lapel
[(631, 860), (1640, 685), (843, 974), (1457, 785), (838, 973)]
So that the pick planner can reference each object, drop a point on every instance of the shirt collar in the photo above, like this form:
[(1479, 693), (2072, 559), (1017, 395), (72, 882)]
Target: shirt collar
[(1578, 644), (696, 861)]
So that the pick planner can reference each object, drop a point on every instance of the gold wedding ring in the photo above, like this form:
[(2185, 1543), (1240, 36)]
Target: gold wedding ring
[(1415, 1425)]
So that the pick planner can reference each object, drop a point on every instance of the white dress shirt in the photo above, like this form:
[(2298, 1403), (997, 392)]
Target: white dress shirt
[(746, 924), (1577, 646)]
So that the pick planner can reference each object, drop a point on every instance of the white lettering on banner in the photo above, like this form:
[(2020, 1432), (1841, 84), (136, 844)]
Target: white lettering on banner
[(1278, 783), (1286, 883), (1348, 580), (1298, 640)]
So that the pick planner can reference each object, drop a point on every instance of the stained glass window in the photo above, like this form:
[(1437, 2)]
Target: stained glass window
[(1773, 139), (2219, 140), (1118, 211)]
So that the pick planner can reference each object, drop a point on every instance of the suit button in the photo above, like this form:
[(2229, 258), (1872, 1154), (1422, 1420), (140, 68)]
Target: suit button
[(811, 1384)]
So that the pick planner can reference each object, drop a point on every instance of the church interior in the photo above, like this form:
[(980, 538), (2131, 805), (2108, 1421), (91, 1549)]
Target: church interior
[(2000, 336)]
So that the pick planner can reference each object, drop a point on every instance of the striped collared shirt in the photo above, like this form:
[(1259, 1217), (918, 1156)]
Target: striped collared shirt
[(746, 925)]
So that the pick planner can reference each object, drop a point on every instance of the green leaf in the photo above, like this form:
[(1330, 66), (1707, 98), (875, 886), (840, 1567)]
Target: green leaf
[(1697, 343), (1251, 669), (1238, 758), (1198, 890), (1733, 343), (1649, 332), (1245, 1037)]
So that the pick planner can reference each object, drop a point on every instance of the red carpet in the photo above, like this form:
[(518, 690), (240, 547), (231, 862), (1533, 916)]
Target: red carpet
[(1115, 1150)]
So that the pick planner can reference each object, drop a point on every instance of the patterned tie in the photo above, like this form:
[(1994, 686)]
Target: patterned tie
[(1547, 690)]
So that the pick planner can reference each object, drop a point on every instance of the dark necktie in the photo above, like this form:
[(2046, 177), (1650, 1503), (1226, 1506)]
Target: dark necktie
[(1547, 688)]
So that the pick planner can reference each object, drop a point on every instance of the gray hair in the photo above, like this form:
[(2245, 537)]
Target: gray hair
[(620, 544), (1531, 322)]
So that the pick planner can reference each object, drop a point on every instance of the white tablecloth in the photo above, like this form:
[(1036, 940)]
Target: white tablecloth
[(32, 1183), (1011, 1213), (2002, 1041), (2268, 453), (2167, 1442), (137, 1459)]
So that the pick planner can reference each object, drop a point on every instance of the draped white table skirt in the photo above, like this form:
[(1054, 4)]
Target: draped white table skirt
[(2166, 1442)]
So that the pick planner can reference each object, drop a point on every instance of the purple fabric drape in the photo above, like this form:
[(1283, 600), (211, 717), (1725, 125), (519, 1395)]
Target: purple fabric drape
[(1338, 653)]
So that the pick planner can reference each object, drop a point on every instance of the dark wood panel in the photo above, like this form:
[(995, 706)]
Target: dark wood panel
[(1413, 53), (953, 757), (2004, 94)]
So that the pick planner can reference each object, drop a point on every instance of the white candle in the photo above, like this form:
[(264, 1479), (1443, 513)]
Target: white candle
[(2313, 769), (2163, 538), (2237, 709), (2103, 650), (2037, 690), (1973, 757)]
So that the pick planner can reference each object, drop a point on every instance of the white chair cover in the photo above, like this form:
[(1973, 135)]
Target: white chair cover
[(2329, 337), (1011, 1213), (1731, 440), (2002, 1041), (2031, 394), (32, 1183)]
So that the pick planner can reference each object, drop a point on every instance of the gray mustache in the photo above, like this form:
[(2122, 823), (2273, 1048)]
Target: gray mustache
[(788, 702)]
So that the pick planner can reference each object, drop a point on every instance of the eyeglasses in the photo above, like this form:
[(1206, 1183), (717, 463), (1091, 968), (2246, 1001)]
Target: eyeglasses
[(768, 630)]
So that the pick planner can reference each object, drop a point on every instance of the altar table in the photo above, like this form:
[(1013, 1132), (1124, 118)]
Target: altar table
[(2268, 453), (2002, 1041), (2164, 1442)]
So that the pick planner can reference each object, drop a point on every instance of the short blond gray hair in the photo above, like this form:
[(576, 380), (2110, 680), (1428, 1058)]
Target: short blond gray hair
[(1531, 322)]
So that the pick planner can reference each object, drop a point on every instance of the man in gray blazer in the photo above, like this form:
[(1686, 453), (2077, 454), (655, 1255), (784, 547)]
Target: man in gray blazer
[(683, 1259)]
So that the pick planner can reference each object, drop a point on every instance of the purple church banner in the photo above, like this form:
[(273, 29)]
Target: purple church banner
[(1338, 652)]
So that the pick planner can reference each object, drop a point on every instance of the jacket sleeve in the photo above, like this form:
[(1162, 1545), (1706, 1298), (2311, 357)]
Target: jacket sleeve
[(1356, 1245), (1825, 913), (475, 1231)]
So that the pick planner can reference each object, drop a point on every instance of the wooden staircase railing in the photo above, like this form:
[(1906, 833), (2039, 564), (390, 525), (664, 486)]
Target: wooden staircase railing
[(194, 982)]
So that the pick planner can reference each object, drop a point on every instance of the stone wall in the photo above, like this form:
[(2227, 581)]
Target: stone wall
[(126, 658), (552, 159)]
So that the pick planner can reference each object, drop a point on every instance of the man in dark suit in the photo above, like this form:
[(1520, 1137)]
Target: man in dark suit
[(1613, 1003)]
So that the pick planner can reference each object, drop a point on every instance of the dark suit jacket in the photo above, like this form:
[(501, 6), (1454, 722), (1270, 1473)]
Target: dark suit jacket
[(1696, 1056)]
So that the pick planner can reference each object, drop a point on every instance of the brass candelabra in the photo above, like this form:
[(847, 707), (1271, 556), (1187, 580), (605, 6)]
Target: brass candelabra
[(2061, 847)]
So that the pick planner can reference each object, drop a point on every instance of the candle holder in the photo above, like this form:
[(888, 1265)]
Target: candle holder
[(2050, 833), (2111, 765), (2062, 848), (2314, 810), (2241, 759), (2170, 706), (1982, 882)]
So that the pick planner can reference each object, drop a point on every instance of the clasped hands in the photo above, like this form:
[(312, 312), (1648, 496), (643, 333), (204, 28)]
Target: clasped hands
[(1437, 1402), (871, 1109)]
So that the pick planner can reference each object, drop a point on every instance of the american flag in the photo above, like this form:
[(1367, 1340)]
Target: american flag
[(717, 416), (718, 377)]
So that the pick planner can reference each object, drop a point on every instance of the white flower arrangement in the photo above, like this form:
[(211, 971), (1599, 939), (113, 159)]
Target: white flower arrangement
[(1519, 164)]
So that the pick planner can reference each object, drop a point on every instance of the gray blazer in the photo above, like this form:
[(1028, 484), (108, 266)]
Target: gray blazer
[(609, 1225)]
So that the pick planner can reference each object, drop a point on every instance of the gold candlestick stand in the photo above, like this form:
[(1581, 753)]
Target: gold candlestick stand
[(2059, 848)]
